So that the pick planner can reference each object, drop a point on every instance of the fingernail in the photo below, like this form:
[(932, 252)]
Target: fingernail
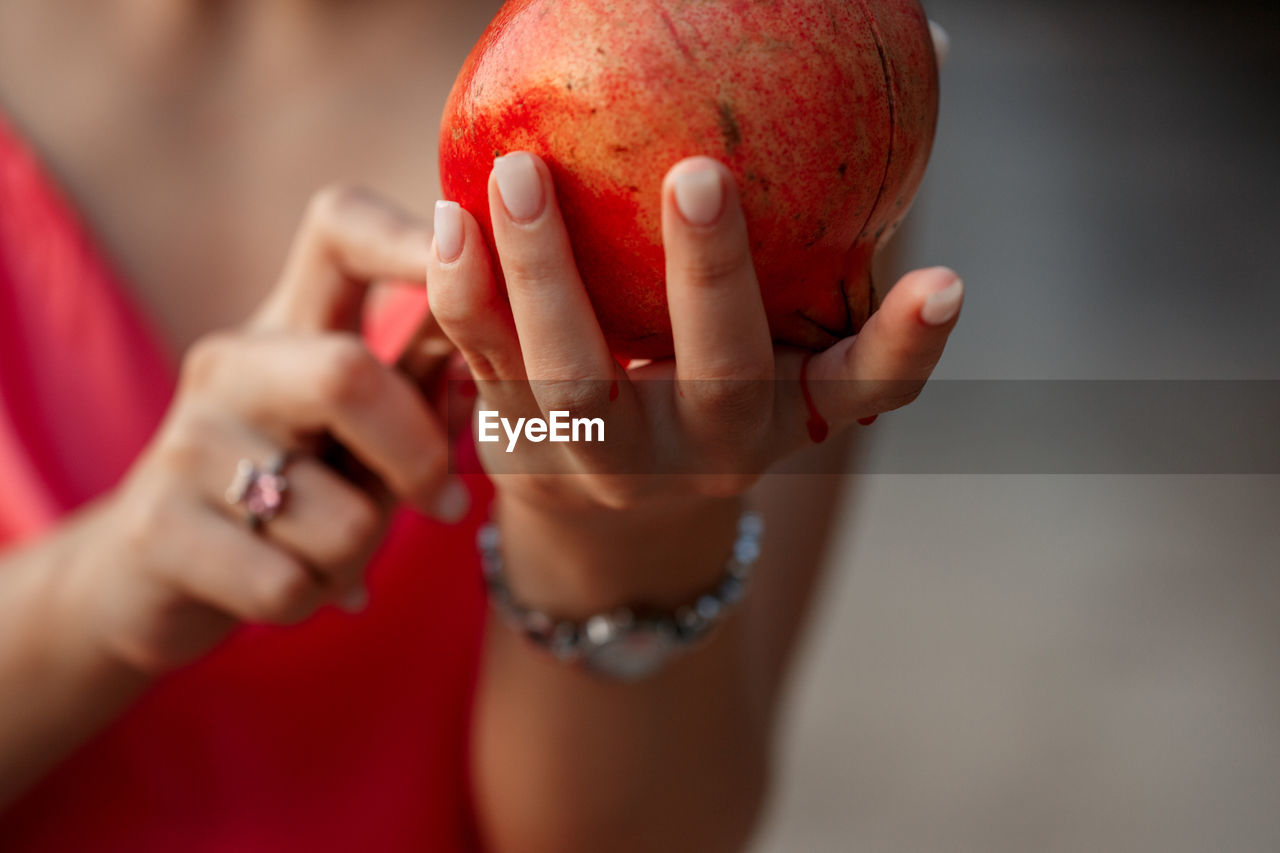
[(519, 186), (448, 226), (942, 307), (867, 421), (941, 42), (699, 194), (355, 599), (453, 501)]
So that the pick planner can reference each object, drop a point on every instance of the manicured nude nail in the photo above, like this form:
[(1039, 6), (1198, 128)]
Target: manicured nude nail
[(699, 194), (519, 185), (942, 307), (941, 42), (355, 599), (453, 501), (448, 226)]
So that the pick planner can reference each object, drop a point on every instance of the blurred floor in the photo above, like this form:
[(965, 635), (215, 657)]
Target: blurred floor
[(1036, 663)]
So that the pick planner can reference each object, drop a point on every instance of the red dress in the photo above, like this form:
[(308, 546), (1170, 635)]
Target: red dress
[(346, 732)]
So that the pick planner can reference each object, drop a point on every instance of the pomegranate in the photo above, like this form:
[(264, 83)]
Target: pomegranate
[(824, 110)]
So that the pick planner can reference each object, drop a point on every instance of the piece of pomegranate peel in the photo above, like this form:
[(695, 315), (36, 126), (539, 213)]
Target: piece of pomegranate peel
[(823, 111)]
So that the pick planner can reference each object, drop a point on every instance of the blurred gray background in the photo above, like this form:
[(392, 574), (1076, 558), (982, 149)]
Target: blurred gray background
[(1053, 662)]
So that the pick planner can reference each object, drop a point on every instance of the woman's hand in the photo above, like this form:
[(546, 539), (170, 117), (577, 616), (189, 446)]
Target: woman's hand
[(548, 740), (647, 518), (167, 566), (733, 404)]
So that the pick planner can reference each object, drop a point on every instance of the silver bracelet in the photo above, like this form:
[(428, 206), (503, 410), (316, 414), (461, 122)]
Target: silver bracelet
[(627, 643)]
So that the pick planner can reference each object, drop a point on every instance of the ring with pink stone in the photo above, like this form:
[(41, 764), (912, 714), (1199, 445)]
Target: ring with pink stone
[(260, 492)]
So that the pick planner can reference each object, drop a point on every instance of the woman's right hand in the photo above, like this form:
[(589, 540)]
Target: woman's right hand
[(167, 567)]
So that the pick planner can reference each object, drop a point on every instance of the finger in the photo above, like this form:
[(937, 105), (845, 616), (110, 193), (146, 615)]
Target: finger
[(724, 353), (465, 300), (562, 345), (326, 522), (223, 564), (941, 42), (886, 364), (292, 389), (349, 238)]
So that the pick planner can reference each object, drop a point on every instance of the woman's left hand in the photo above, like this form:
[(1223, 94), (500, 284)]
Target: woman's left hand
[(722, 418)]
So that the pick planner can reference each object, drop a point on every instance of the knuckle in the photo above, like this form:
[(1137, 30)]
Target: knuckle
[(354, 528), (285, 593), (347, 372), (343, 214), (145, 514), (335, 201), (182, 454), (148, 655), (431, 467), (895, 395), (204, 359), (531, 267), (742, 404), (453, 303), (717, 264), (580, 398), (182, 450)]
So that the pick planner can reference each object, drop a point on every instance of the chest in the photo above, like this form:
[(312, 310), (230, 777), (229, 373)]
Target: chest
[(198, 219), (194, 181)]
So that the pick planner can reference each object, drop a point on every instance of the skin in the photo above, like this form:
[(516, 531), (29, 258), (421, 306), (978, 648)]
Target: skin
[(703, 725), (110, 599)]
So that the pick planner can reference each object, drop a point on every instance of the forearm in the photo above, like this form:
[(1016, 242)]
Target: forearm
[(567, 761), (58, 686)]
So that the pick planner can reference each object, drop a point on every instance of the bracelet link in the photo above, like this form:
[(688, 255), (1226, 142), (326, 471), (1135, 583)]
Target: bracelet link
[(626, 643)]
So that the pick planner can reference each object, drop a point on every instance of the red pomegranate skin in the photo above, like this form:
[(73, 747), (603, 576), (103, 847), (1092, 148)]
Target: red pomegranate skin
[(824, 110)]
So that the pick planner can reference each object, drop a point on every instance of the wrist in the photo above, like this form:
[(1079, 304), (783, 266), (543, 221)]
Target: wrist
[(581, 562), (85, 594), (50, 621), (632, 640)]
